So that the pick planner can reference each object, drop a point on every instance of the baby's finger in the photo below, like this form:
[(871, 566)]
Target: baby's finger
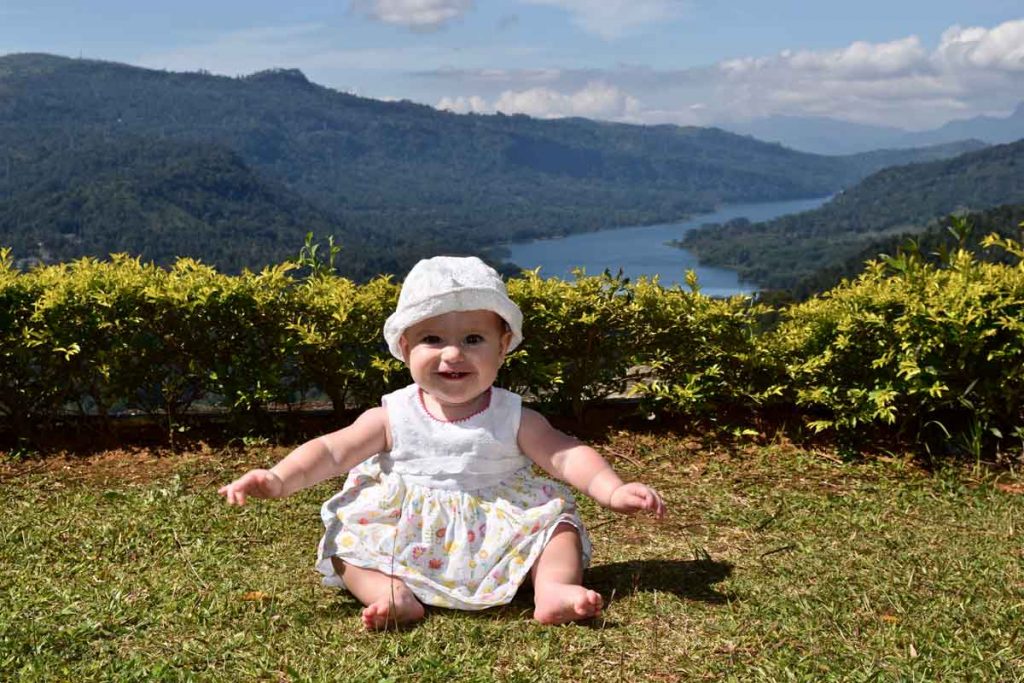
[(659, 510), (235, 494), (654, 503), (641, 500)]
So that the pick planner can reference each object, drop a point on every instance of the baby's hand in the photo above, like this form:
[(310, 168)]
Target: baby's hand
[(633, 497), (256, 483)]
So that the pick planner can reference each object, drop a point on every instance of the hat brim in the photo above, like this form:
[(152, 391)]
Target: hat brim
[(467, 299)]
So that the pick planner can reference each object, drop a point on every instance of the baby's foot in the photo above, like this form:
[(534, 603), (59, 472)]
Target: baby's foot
[(400, 608), (560, 604)]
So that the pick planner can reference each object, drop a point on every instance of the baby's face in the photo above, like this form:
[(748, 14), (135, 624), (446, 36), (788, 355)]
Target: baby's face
[(455, 357)]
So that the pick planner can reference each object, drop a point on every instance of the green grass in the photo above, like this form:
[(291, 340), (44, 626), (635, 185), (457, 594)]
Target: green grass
[(777, 564)]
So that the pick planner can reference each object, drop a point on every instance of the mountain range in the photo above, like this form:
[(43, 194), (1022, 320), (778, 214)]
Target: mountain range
[(820, 135), (99, 156)]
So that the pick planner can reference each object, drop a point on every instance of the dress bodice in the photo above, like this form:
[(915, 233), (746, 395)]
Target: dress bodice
[(468, 454)]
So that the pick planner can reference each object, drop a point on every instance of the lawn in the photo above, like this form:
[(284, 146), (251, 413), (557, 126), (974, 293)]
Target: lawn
[(777, 563)]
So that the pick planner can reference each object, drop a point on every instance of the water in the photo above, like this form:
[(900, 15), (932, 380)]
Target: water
[(643, 250)]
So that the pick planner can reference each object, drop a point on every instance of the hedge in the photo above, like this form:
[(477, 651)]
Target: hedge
[(934, 349)]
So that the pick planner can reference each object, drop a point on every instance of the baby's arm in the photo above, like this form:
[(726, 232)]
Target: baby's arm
[(562, 456), (312, 462)]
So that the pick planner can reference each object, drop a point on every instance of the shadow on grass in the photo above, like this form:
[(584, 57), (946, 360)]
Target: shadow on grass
[(686, 579)]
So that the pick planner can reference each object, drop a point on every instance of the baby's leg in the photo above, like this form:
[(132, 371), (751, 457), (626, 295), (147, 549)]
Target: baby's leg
[(388, 600), (558, 594)]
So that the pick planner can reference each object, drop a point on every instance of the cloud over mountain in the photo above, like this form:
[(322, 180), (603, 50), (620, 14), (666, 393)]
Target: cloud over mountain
[(971, 71), (596, 100)]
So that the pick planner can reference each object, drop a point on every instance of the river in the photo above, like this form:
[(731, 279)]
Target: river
[(644, 250)]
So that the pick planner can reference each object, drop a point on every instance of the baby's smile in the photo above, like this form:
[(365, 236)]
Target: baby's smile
[(453, 375)]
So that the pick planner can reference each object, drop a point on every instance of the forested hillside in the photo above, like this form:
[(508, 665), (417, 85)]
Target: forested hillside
[(781, 253), (939, 238), (88, 148), (159, 198)]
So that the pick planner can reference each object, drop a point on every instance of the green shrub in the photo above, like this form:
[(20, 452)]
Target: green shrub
[(932, 348), (91, 331), (31, 386), (936, 350), (339, 340), (579, 339), (699, 354)]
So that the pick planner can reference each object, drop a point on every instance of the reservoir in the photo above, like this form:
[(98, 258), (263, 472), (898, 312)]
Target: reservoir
[(644, 250)]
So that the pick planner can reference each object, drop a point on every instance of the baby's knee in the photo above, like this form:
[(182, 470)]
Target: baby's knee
[(565, 528)]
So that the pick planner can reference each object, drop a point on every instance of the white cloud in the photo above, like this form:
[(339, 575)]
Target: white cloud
[(901, 83), (1001, 48), (595, 100), (465, 105), (972, 71), (614, 18), (423, 15)]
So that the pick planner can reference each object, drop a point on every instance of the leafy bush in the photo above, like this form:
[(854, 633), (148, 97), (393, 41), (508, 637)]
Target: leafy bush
[(932, 347), (935, 349), (699, 354), (340, 345), (580, 339), (31, 386)]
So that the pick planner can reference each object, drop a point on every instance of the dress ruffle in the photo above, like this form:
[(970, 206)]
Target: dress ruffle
[(462, 549)]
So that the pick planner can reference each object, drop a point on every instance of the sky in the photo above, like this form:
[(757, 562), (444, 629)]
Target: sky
[(912, 64)]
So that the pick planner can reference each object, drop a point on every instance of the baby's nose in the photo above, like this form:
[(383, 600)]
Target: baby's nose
[(451, 352)]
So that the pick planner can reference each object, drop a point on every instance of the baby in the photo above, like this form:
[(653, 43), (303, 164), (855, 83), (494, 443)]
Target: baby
[(441, 506)]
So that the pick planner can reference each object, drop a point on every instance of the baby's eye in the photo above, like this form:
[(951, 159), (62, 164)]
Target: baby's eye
[(430, 339), (474, 339)]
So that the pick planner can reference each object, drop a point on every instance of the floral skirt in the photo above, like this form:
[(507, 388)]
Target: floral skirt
[(466, 550)]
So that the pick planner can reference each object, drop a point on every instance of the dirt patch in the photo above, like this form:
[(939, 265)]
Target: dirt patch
[(130, 466)]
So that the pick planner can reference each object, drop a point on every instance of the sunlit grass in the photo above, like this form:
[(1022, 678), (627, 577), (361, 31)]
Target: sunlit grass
[(776, 564)]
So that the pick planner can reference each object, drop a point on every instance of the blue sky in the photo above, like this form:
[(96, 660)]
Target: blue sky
[(910, 64)]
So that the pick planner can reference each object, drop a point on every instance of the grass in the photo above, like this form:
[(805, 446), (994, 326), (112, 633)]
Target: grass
[(777, 564)]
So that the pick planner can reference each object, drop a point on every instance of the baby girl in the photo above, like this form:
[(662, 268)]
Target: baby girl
[(441, 505)]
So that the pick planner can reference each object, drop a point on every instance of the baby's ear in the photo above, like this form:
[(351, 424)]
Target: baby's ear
[(506, 340), (403, 345)]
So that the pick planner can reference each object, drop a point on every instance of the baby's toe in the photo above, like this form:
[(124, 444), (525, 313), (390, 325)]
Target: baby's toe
[(374, 616), (590, 604)]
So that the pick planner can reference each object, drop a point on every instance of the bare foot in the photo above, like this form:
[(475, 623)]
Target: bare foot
[(560, 604), (404, 610)]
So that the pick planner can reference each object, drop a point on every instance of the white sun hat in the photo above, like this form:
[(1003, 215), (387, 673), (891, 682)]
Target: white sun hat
[(444, 284)]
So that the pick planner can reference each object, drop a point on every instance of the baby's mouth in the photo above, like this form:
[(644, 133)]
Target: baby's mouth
[(453, 375)]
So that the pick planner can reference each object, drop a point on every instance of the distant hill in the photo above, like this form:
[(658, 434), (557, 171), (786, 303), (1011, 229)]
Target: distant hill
[(392, 180), (822, 135), (781, 253), (1004, 220), (163, 199)]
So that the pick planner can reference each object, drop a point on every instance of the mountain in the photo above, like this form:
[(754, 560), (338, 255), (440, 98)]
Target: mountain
[(822, 135), (163, 199), (781, 253), (988, 128), (392, 180)]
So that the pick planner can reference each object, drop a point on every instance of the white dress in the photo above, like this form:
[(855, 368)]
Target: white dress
[(453, 509)]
